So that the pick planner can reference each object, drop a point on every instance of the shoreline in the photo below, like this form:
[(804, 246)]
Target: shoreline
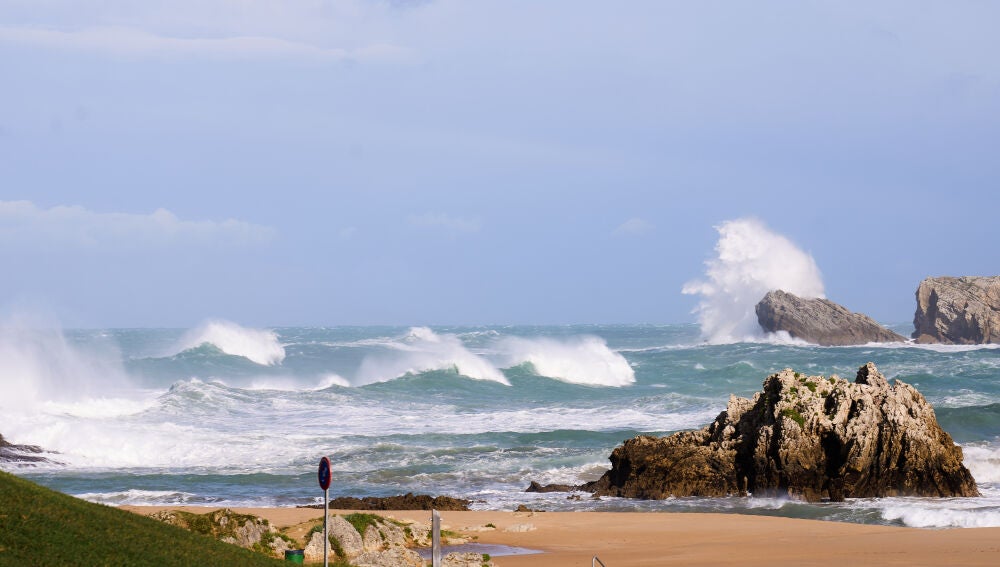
[(669, 538)]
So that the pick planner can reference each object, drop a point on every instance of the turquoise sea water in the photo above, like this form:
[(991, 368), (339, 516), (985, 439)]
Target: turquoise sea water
[(226, 415)]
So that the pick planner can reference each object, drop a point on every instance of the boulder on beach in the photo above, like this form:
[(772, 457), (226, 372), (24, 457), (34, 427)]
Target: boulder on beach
[(819, 321), (962, 310), (808, 437)]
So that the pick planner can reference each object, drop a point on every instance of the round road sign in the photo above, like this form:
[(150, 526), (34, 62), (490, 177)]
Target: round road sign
[(324, 473)]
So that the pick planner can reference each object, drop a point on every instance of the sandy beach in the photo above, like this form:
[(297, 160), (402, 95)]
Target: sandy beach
[(625, 539)]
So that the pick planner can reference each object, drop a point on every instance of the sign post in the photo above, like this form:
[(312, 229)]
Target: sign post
[(435, 539), (324, 483)]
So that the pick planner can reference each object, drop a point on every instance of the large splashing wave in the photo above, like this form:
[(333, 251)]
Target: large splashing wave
[(750, 261), (258, 345)]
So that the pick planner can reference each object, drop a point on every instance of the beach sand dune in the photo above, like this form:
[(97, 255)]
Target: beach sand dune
[(627, 539)]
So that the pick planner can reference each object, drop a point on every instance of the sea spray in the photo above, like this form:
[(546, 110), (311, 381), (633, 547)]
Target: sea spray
[(260, 346), (750, 260), (39, 364)]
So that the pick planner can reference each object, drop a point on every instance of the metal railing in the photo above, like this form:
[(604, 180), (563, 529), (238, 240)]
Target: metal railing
[(595, 561)]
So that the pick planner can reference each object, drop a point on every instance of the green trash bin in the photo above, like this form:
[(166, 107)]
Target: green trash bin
[(295, 555)]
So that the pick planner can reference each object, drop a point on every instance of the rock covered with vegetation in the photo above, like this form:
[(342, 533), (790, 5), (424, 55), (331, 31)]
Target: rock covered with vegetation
[(244, 530), (809, 437), (819, 321), (964, 310)]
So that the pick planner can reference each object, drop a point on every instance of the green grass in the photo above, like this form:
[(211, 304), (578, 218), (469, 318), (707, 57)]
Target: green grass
[(39, 526), (794, 415), (362, 521)]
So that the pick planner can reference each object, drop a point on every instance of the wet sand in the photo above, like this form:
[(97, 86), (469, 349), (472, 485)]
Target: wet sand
[(630, 538)]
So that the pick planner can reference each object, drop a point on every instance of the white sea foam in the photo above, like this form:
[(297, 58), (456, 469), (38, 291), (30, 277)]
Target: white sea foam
[(423, 350), (948, 513), (983, 461), (293, 384), (259, 345), (143, 498), (577, 360), (751, 260)]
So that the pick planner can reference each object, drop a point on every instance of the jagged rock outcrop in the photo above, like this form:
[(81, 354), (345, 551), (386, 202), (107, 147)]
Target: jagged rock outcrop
[(964, 310), (819, 321), (407, 501), (383, 543), (21, 454), (810, 437)]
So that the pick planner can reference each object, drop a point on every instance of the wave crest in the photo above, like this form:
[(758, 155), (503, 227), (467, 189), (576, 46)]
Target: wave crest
[(423, 350), (258, 345), (578, 360)]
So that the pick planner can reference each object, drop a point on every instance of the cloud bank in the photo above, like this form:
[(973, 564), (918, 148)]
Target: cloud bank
[(134, 43), (75, 227)]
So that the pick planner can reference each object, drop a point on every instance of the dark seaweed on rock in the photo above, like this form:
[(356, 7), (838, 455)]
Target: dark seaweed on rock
[(407, 501)]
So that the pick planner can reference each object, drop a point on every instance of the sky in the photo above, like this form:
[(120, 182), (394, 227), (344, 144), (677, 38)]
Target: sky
[(493, 162)]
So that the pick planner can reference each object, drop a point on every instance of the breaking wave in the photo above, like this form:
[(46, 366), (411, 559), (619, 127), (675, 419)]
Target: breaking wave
[(258, 345), (578, 360), (750, 261), (423, 350), (584, 360)]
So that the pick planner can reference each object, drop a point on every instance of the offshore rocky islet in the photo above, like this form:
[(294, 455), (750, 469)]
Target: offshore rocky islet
[(810, 437)]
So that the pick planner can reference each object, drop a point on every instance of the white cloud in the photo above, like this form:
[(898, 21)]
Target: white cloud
[(135, 43), (22, 223), (633, 226), (441, 220)]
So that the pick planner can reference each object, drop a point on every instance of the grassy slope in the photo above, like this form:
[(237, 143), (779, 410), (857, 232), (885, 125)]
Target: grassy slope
[(39, 526)]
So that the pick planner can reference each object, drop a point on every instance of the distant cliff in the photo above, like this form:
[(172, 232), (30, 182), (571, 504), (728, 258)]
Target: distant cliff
[(819, 321), (963, 310)]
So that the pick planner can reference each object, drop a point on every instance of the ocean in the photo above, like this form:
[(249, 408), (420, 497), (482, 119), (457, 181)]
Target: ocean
[(225, 415)]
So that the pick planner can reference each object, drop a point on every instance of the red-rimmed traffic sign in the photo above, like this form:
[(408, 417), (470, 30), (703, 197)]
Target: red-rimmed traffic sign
[(324, 473)]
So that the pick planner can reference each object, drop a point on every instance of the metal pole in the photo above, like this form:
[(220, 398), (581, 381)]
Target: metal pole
[(326, 534), (435, 539)]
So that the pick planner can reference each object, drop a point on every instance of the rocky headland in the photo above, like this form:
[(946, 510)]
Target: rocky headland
[(808, 437), (958, 310), (819, 321)]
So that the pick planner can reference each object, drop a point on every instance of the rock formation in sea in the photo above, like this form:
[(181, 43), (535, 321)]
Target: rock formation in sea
[(21, 454), (808, 437), (963, 310), (819, 321)]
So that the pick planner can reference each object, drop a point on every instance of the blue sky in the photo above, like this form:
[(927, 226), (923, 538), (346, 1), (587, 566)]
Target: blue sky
[(444, 162)]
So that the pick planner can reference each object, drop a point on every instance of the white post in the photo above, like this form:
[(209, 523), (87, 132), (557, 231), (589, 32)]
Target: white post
[(326, 534), (435, 539)]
